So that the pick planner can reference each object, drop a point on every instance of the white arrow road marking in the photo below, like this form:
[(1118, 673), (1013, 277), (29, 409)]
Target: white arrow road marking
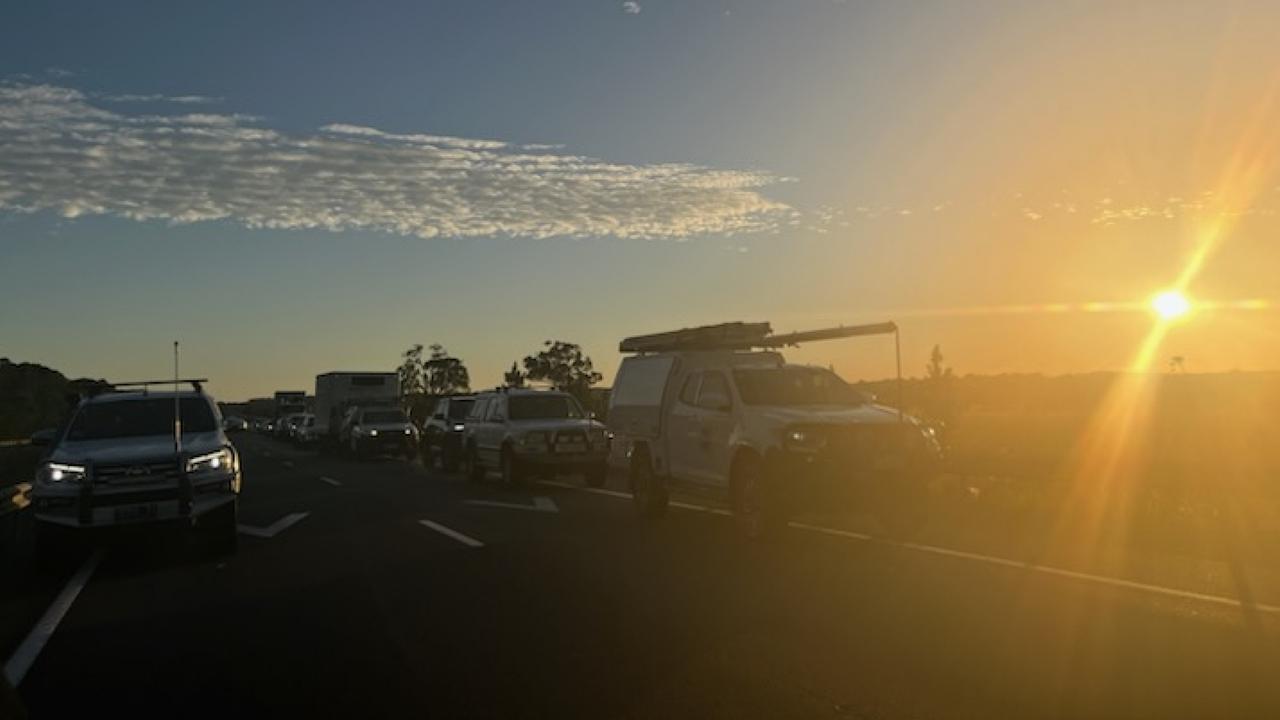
[(18, 665), (276, 528), (330, 480), (450, 532), (540, 504)]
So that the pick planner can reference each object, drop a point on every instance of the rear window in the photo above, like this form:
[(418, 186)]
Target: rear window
[(458, 409), (384, 416), (140, 418), (544, 407)]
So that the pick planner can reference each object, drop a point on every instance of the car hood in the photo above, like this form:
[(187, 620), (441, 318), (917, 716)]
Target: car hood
[(827, 415), (554, 425), (131, 449)]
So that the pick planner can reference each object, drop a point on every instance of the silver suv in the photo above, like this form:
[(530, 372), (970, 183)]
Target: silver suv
[(533, 432), (120, 460)]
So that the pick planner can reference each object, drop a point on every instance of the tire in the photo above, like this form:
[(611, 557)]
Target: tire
[(52, 544), (448, 459), (221, 528), (756, 512), (596, 477), (473, 470), (903, 513), (512, 474), (648, 491)]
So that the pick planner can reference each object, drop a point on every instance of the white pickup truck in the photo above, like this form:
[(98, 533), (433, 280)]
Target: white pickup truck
[(702, 410)]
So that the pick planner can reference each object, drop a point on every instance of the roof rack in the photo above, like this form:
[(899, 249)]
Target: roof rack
[(742, 336), (195, 383)]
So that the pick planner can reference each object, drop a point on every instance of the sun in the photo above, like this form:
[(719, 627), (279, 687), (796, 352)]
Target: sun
[(1170, 304)]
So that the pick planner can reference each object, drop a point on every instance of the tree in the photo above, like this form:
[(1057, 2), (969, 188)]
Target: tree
[(445, 375), (935, 369), (565, 366), (940, 405), (410, 372), (513, 377)]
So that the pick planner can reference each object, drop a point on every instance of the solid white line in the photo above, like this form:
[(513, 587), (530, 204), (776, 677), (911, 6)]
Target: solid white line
[(18, 665), (976, 557), (450, 532), (540, 504), (331, 481)]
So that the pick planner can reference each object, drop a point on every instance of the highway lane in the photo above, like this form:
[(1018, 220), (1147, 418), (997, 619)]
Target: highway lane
[(359, 608)]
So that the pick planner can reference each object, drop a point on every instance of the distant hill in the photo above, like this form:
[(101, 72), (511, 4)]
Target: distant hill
[(33, 397)]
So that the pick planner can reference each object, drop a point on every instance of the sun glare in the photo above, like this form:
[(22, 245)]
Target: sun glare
[(1170, 304)]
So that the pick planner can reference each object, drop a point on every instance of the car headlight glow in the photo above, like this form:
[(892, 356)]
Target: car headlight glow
[(459, 427), (60, 472), (408, 431), (210, 461), (373, 433)]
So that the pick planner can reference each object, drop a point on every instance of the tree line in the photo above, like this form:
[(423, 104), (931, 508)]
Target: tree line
[(430, 372)]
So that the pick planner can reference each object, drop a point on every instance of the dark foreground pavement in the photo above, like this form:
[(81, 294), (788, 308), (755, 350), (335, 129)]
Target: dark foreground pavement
[(361, 610)]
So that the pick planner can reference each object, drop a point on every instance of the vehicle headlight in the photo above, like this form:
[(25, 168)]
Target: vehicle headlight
[(52, 472), (534, 438), (408, 431), (373, 433), (218, 460), (459, 427), (804, 440)]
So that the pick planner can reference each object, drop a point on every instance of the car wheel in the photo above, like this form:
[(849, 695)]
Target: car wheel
[(222, 529), (648, 491), (512, 473), (448, 460), (596, 476), (754, 510), (474, 470), (52, 544)]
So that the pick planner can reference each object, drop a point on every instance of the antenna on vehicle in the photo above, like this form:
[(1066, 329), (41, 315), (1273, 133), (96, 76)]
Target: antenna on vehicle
[(177, 405)]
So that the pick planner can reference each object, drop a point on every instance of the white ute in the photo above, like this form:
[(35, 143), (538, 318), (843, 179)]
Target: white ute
[(717, 410)]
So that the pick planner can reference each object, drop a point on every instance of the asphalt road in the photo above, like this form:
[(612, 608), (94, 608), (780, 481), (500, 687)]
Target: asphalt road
[(571, 606)]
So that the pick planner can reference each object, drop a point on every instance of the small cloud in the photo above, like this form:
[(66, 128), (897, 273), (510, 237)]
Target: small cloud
[(904, 212), (1030, 214), (57, 72), (631, 7), (156, 98)]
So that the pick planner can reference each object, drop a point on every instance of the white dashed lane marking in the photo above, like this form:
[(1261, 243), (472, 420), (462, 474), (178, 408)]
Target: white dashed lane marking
[(450, 532)]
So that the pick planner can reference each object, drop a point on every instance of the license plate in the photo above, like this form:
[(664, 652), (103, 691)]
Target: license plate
[(571, 447), (134, 513)]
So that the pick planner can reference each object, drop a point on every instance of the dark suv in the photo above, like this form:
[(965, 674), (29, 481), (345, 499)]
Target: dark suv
[(442, 433)]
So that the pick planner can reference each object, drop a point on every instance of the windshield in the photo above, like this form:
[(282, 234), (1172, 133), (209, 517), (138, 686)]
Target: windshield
[(459, 409), (545, 407), (384, 416), (795, 386), (138, 418)]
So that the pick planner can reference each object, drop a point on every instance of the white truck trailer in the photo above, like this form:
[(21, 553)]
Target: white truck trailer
[(336, 392)]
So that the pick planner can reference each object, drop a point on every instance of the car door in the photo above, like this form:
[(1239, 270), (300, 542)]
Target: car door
[(492, 430), (683, 430), (715, 413)]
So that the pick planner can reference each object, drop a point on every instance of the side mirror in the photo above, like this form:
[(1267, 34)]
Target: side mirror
[(41, 438)]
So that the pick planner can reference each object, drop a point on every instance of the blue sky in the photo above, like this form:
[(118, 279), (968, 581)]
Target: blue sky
[(804, 162)]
